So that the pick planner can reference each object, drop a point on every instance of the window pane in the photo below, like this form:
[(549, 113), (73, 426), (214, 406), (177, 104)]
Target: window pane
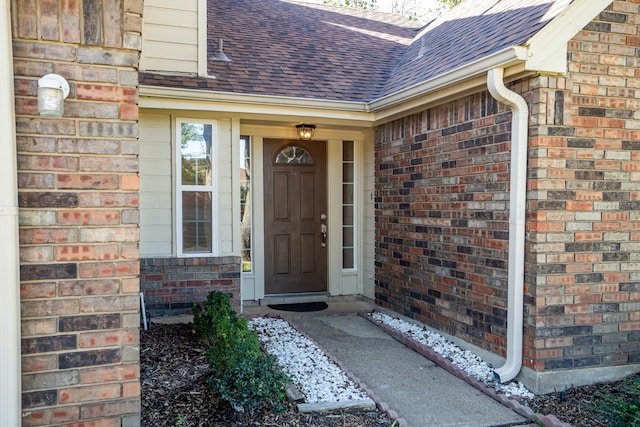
[(347, 172), (347, 215), (195, 151), (347, 151), (347, 236), (196, 221), (294, 155), (347, 258), (347, 194)]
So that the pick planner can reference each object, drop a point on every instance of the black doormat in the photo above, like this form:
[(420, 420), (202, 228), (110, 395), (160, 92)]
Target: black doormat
[(300, 307)]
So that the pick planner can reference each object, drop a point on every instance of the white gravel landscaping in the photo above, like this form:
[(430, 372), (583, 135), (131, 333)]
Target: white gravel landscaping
[(315, 374), (464, 359), (321, 381)]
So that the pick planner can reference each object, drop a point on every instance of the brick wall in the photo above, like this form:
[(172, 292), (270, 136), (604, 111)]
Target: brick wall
[(172, 285), (442, 218), (584, 212), (442, 209), (78, 198)]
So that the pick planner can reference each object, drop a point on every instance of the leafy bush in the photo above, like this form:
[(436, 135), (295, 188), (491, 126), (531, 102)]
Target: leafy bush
[(244, 375), (621, 410), (227, 335), (254, 383)]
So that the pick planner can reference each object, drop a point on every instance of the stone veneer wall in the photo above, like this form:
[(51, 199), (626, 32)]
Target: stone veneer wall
[(172, 285), (442, 178), (78, 199)]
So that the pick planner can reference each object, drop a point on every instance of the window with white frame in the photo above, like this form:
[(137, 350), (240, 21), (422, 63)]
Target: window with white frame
[(196, 188)]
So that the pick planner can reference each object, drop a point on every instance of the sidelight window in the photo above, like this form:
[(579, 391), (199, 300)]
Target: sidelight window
[(348, 205), (246, 228)]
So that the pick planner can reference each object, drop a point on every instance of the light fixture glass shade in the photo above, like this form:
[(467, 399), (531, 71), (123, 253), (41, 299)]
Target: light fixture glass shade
[(50, 102), (52, 90), (305, 131)]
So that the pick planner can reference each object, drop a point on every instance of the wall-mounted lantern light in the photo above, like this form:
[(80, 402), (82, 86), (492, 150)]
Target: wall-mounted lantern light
[(52, 91), (305, 131)]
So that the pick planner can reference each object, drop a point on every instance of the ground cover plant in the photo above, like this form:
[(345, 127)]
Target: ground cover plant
[(620, 409)]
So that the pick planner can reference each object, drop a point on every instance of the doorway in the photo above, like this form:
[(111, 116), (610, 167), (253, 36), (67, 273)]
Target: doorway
[(295, 213)]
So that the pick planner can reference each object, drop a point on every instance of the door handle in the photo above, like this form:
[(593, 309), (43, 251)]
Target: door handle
[(323, 230)]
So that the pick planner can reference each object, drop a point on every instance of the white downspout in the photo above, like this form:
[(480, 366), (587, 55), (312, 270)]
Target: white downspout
[(10, 388), (517, 207)]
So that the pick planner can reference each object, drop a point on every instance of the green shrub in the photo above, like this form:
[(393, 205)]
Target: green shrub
[(244, 375), (216, 317), (227, 335), (622, 409), (254, 383)]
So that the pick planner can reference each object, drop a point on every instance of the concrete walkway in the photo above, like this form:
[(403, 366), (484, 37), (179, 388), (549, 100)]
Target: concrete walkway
[(417, 389), (421, 392)]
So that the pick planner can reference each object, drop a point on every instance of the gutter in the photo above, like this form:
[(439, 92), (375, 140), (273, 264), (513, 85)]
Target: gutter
[(10, 387), (517, 208), (244, 100)]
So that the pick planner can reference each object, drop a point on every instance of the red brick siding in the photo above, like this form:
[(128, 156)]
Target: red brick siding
[(442, 218), (78, 183), (584, 218), (442, 209), (172, 286)]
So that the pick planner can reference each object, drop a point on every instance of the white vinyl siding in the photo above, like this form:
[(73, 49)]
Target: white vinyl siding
[(172, 38), (156, 209), (227, 185), (368, 220)]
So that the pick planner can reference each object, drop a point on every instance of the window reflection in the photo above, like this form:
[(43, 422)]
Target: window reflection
[(196, 154)]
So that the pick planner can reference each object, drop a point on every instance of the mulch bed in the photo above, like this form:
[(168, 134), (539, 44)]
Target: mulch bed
[(175, 392), (174, 374)]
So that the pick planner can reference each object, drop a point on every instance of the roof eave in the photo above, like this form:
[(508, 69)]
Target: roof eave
[(157, 97), (454, 82)]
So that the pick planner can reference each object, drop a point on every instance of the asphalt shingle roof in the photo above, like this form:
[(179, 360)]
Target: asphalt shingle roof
[(305, 50), (468, 32)]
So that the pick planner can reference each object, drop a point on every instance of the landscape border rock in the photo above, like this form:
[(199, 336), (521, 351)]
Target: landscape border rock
[(425, 351)]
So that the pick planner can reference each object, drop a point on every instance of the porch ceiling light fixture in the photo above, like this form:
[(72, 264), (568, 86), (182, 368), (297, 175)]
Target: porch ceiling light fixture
[(52, 91), (305, 131)]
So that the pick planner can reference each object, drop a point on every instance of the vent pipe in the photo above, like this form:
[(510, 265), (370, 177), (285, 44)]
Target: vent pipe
[(219, 55)]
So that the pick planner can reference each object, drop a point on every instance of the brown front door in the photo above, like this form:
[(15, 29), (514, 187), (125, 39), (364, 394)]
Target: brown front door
[(295, 200)]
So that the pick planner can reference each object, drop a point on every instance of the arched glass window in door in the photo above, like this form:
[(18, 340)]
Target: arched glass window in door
[(294, 154)]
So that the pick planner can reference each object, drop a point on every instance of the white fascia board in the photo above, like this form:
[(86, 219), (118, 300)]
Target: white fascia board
[(189, 99), (445, 85), (547, 49)]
